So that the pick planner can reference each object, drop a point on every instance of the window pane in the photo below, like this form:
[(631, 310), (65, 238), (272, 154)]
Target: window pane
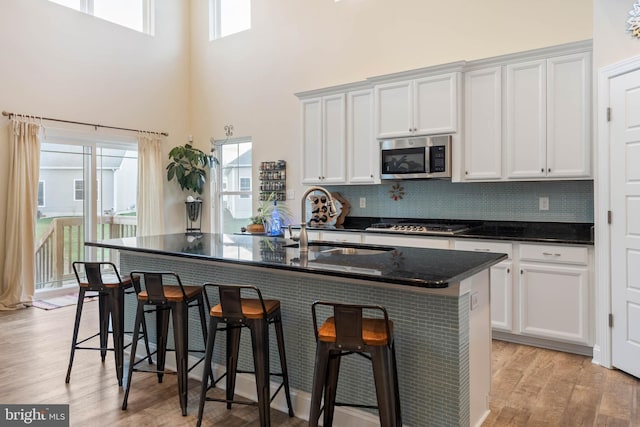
[(128, 13), (78, 190), (236, 165), (236, 212), (40, 195), (234, 16)]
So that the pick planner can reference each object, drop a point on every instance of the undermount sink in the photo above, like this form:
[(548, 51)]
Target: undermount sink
[(328, 249)]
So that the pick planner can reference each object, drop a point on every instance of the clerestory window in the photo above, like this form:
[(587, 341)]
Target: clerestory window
[(134, 14), (228, 17)]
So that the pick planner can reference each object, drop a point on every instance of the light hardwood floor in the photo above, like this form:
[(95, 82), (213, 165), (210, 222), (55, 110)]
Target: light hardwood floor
[(531, 386)]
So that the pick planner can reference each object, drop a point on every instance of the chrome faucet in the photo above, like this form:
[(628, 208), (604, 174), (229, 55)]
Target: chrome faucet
[(302, 237)]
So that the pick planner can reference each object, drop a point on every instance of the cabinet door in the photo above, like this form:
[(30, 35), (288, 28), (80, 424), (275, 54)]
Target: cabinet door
[(502, 296), (554, 302), (409, 241), (393, 109), (435, 104), (363, 148), (568, 116), (334, 158), (483, 124), (526, 127), (312, 146)]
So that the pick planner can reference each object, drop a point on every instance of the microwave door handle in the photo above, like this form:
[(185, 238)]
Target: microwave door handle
[(427, 158)]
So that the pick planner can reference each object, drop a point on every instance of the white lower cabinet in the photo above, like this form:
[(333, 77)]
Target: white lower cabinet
[(554, 293), (501, 281)]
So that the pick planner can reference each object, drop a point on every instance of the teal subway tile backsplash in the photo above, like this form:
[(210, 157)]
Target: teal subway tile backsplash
[(569, 201)]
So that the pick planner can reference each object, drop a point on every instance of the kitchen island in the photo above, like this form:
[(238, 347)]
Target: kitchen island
[(438, 300)]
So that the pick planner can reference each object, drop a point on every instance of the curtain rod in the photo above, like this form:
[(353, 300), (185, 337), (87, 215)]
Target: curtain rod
[(7, 114)]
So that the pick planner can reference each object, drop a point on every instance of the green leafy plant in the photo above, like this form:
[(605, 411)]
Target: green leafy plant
[(189, 167), (265, 208)]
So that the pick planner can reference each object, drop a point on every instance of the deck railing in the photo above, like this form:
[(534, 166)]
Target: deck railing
[(63, 243)]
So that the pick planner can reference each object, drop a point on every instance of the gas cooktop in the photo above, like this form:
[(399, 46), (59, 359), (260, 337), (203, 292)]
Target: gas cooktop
[(419, 228)]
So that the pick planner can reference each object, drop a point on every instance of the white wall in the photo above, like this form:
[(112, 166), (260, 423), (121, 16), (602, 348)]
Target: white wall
[(611, 42), (249, 79), (60, 63)]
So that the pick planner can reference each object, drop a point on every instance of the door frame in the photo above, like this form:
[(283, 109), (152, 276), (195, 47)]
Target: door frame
[(602, 350)]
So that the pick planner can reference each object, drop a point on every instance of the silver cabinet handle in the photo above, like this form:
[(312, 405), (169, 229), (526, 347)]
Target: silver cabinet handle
[(550, 254), (482, 250)]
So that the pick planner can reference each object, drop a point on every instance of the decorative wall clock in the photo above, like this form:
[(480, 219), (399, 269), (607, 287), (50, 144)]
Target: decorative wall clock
[(634, 20)]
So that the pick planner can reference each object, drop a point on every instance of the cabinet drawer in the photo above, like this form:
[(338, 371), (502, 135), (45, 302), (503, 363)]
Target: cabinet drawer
[(341, 236), (483, 246), (560, 254), (410, 241)]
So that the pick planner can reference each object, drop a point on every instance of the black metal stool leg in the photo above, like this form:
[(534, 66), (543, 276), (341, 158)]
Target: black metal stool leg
[(146, 339), (233, 348), (181, 340), (76, 327), (260, 340), (383, 376), (162, 330), (283, 362), (116, 297), (105, 311), (208, 373), (331, 387), (134, 347), (319, 380)]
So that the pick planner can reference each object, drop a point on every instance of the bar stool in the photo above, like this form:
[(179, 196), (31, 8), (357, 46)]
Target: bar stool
[(166, 299), (103, 278), (348, 332), (237, 313)]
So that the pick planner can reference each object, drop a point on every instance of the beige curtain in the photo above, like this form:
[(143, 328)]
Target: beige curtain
[(150, 185), (18, 282)]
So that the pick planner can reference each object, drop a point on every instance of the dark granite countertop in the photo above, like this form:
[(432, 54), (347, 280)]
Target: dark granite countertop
[(542, 232), (427, 268)]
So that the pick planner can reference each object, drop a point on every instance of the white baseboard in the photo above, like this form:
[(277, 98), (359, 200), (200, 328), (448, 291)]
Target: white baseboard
[(246, 387)]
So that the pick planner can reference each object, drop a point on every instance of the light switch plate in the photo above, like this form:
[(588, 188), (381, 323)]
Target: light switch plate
[(544, 203), (291, 194), (363, 202)]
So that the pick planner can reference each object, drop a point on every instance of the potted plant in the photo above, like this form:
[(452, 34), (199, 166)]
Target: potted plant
[(188, 166), (262, 219)]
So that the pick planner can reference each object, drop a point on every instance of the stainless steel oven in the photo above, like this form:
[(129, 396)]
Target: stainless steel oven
[(415, 158)]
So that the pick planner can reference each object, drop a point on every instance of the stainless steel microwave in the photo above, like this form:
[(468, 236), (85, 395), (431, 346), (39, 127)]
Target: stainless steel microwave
[(415, 158)]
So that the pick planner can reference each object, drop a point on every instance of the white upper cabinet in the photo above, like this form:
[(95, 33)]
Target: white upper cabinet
[(568, 116), (324, 140), (338, 144), (548, 118), (363, 149), (483, 124), (421, 106)]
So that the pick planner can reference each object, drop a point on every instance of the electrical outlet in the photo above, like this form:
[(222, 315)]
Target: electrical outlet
[(474, 300), (544, 203), (291, 194), (363, 202)]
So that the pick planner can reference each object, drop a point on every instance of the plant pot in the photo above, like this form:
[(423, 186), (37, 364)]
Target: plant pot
[(255, 228)]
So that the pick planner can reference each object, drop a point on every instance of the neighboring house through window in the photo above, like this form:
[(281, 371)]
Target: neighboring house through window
[(245, 186), (228, 17), (40, 194), (232, 205), (134, 14)]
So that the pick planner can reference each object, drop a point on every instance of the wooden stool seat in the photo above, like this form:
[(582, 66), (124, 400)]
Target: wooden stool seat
[(251, 308), (110, 281), (374, 331), (174, 293)]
